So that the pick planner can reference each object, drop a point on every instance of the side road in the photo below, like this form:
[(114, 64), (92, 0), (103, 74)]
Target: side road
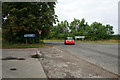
[(17, 63)]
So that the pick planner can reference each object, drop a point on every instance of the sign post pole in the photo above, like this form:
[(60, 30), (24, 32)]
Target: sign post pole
[(26, 40), (39, 31)]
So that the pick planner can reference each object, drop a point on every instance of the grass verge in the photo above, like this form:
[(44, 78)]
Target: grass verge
[(100, 41), (53, 40), (42, 45), (87, 41), (39, 45)]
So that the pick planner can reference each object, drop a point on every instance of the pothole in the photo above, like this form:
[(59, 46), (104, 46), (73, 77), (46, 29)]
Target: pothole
[(21, 59), (35, 56), (13, 69), (13, 58)]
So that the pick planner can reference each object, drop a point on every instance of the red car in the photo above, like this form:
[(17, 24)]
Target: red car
[(69, 40)]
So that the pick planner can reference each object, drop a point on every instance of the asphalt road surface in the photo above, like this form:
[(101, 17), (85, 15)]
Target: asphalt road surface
[(104, 55)]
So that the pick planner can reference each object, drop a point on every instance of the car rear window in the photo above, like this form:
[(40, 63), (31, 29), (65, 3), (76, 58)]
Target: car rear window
[(70, 39)]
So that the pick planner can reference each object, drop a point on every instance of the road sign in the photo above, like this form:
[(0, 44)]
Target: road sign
[(79, 36), (29, 35), (39, 31)]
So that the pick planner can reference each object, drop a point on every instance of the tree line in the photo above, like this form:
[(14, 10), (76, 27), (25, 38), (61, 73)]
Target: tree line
[(95, 31), (19, 18)]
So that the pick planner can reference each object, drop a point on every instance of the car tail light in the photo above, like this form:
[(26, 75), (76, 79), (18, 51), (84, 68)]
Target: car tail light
[(72, 41), (67, 41)]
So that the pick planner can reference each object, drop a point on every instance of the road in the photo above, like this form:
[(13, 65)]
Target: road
[(104, 55), (62, 61)]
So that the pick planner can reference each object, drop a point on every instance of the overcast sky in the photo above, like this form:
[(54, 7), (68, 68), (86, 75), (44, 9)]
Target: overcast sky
[(104, 11)]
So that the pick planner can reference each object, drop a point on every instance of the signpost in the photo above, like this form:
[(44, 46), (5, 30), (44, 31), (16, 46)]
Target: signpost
[(76, 37), (40, 32), (29, 36)]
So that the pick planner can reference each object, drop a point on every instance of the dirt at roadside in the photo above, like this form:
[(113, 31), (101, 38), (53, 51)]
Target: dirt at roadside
[(62, 64)]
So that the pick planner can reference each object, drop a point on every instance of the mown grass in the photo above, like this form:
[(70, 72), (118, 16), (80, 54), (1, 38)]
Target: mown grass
[(101, 41), (9, 46), (87, 41), (53, 40)]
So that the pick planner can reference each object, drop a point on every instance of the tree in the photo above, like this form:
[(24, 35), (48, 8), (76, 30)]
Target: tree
[(99, 31), (60, 31), (77, 27), (20, 18), (95, 31)]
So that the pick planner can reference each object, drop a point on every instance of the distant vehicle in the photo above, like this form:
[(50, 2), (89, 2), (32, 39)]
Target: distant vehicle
[(69, 40)]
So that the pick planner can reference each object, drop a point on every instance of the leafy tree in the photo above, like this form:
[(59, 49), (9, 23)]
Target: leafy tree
[(20, 18), (77, 27), (60, 31), (95, 31), (98, 31)]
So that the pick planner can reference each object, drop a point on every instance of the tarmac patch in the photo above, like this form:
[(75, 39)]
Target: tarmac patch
[(13, 69), (13, 58)]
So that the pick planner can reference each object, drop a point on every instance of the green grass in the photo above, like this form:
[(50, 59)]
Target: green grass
[(42, 45), (87, 41), (53, 40), (39, 45), (101, 41)]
